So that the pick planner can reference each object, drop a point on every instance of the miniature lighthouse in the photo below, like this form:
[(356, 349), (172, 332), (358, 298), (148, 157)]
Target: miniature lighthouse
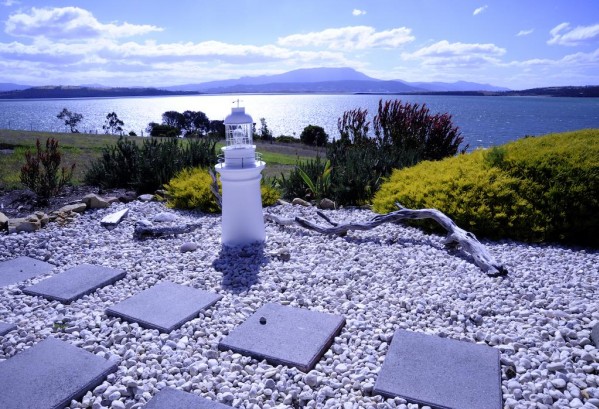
[(239, 168)]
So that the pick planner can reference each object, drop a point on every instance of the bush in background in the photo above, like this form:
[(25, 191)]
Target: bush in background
[(404, 134), (409, 127), (148, 167), (294, 185), (540, 189), (42, 172), (286, 139), (314, 135), (162, 130)]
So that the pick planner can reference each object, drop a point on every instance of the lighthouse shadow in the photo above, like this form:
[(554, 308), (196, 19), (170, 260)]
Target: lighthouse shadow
[(240, 266)]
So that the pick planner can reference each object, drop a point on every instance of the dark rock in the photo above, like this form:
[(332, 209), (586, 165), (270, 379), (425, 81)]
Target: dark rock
[(300, 202), (327, 204), (127, 197)]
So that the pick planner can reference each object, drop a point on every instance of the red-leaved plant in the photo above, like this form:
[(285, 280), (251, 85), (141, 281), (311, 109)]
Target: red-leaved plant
[(42, 172)]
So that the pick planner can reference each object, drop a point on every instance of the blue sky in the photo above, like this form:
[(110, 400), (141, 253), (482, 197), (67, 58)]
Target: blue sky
[(512, 43)]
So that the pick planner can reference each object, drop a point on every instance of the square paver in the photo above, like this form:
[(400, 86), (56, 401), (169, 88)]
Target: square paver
[(169, 398), (75, 282), (49, 375), (21, 269), (440, 372), (285, 335), (165, 306), (5, 328)]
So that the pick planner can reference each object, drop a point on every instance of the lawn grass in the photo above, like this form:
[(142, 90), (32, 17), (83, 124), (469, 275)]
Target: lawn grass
[(82, 149)]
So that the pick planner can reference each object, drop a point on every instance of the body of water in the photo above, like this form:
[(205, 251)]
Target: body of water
[(484, 121)]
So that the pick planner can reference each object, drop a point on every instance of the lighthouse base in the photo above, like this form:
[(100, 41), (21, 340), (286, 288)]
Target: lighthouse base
[(242, 216)]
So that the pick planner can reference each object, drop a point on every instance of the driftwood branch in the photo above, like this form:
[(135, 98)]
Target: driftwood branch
[(143, 231), (456, 235), (214, 189)]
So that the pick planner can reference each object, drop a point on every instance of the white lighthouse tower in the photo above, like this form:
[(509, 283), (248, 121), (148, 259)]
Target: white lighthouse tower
[(239, 168)]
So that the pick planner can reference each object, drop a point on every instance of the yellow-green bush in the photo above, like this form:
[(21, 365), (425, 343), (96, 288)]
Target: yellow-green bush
[(535, 189), (190, 189), (270, 195)]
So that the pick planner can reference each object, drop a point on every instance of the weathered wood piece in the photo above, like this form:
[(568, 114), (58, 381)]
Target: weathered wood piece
[(143, 230), (456, 235), (214, 189), (113, 219)]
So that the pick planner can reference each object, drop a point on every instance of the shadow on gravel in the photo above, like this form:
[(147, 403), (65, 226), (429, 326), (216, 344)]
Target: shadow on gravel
[(240, 266)]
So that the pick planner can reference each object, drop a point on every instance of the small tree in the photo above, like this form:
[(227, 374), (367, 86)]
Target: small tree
[(41, 170), (217, 128), (264, 133), (174, 119), (113, 124), (195, 122), (71, 119), (314, 135)]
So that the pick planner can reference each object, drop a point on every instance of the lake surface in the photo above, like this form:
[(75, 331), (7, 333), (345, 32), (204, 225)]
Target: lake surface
[(484, 121)]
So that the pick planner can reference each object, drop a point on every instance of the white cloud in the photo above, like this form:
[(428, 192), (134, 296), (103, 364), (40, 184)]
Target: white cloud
[(578, 60), (562, 34), (104, 50), (357, 12), (456, 54), (350, 38), (479, 10), (9, 3), (68, 23), (522, 33)]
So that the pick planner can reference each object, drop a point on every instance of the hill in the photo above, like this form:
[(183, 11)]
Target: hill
[(7, 86), (86, 92)]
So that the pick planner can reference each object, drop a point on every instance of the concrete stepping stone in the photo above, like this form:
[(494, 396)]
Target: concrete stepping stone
[(49, 375), (5, 328), (165, 306), (285, 335), (440, 372), (169, 398), (21, 269), (75, 282)]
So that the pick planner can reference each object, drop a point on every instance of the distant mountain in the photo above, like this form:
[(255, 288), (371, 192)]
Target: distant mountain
[(308, 80), (343, 86), (7, 86), (456, 86), (327, 80), (85, 92), (304, 75)]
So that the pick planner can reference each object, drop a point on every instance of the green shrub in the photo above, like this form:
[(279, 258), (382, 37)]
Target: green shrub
[(535, 189), (148, 167), (162, 130), (117, 167), (42, 172), (190, 189), (294, 184), (286, 139), (158, 162)]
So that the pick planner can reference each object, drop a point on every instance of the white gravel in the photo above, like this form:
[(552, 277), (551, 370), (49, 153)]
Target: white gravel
[(391, 277)]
